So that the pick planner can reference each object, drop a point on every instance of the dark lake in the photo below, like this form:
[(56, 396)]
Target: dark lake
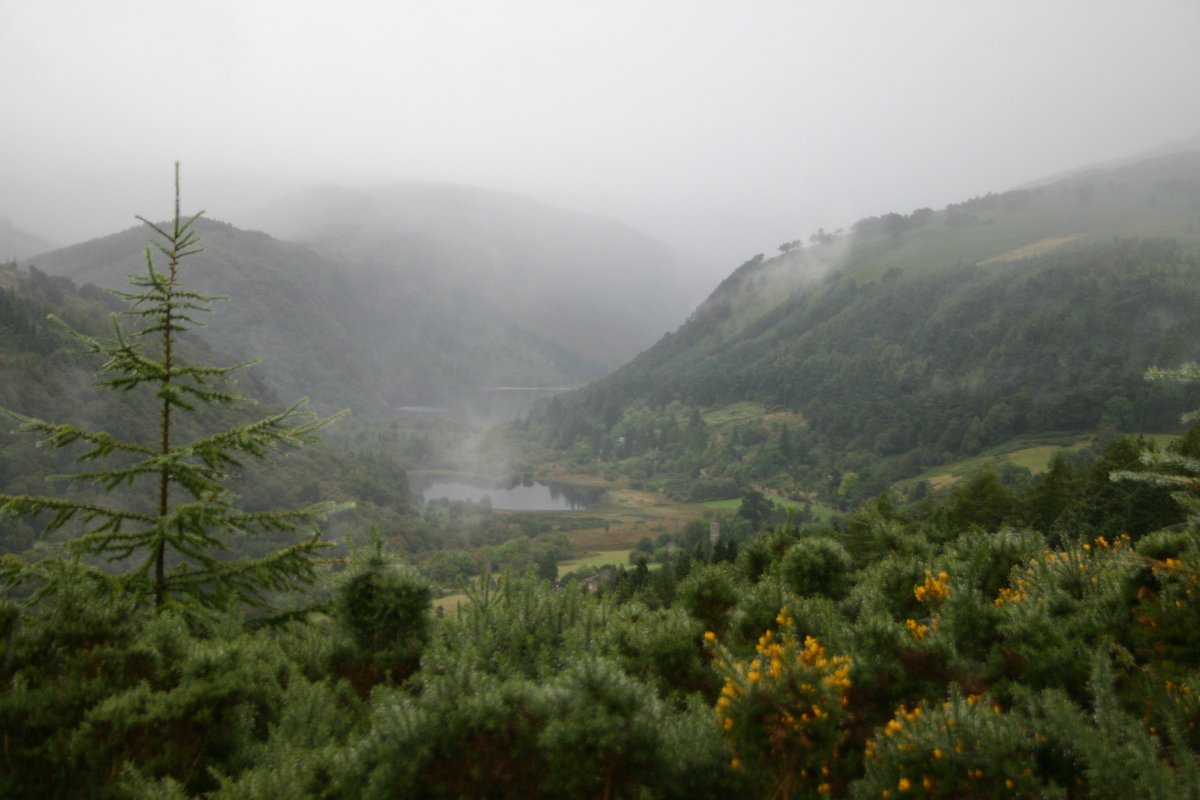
[(534, 496)]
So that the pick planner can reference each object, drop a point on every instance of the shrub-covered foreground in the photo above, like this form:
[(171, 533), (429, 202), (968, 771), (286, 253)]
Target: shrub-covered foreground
[(984, 664)]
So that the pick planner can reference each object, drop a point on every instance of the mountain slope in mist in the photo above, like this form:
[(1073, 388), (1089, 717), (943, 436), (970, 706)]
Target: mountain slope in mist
[(415, 296), (595, 288), (927, 335)]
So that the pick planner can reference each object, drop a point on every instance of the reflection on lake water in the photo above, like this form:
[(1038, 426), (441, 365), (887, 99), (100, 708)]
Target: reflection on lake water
[(535, 496)]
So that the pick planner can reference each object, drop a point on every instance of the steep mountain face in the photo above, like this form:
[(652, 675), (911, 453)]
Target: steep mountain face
[(925, 336), (587, 293)]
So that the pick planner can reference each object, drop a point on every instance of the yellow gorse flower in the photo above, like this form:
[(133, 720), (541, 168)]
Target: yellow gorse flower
[(935, 589)]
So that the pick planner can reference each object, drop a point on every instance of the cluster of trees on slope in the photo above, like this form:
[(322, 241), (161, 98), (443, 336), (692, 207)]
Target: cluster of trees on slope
[(893, 376)]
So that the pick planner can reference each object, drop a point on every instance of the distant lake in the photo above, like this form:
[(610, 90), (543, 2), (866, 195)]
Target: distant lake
[(535, 496)]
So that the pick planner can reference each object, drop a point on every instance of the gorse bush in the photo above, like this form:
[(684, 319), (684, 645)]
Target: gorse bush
[(964, 747), (817, 566), (782, 710)]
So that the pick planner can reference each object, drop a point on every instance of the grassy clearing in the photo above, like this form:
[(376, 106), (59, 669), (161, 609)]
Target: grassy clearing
[(451, 602), (733, 413), (723, 505), (1032, 454), (606, 558), (1161, 440), (1032, 249), (1037, 459), (820, 511)]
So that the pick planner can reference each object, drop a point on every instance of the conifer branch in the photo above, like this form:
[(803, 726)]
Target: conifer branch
[(62, 435)]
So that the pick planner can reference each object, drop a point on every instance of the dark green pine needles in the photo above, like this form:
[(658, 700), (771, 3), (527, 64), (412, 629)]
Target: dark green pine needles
[(177, 531)]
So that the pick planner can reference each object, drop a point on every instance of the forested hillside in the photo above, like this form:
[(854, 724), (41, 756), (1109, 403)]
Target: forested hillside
[(915, 349), (294, 310)]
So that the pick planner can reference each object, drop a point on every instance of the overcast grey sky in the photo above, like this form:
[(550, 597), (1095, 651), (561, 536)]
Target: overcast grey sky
[(723, 128)]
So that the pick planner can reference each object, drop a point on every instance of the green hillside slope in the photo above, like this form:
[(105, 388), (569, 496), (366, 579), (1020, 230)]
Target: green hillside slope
[(18, 243), (917, 339)]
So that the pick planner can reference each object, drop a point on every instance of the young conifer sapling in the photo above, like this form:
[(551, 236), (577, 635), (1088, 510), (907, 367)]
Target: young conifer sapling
[(179, 539)]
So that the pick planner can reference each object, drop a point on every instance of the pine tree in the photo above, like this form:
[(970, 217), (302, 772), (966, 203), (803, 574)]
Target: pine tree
[(179, 536)]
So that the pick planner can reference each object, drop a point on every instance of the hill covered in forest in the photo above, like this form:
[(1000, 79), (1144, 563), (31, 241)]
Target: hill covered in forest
[(1019, 636), (917, 338)]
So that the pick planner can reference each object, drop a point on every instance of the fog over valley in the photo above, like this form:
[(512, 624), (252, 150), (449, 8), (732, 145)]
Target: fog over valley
[(718, 129)]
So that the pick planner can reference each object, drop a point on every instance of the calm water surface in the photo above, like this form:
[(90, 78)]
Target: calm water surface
[(536, 496)]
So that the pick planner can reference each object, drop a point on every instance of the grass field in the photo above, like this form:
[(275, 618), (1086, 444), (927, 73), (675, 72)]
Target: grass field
[(723, 505), (602, 558), (733, 413), (450, 603), (1032, 454)]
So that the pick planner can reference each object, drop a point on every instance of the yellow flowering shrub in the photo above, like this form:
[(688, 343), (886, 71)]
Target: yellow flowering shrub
[(967, 747), (783, 711), (934, 590), (1058, 607)]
